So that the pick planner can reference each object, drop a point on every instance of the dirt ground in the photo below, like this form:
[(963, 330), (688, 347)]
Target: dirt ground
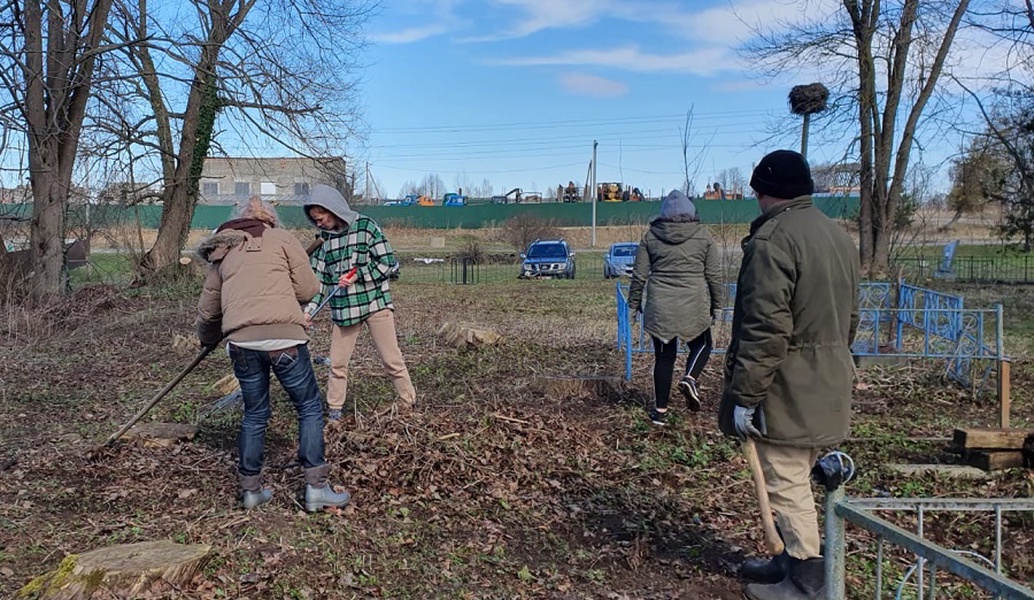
[(488, 489)]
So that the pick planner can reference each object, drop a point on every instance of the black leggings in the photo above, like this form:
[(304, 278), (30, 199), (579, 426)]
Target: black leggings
[(664, 363)]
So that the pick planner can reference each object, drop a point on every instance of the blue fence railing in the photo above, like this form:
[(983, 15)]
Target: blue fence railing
[(916, 323)]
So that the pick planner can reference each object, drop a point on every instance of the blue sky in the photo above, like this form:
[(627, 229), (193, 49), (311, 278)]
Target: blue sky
[(515, 92)]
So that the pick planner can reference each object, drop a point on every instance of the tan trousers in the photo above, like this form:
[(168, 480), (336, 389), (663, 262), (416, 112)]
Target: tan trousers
[(342, 344), (788, 478)]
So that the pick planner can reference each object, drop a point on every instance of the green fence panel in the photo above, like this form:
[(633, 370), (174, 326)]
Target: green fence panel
[(579, 214), (574, 214)]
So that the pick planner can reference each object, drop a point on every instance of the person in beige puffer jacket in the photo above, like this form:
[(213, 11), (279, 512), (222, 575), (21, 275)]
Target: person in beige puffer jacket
[(257, 280)]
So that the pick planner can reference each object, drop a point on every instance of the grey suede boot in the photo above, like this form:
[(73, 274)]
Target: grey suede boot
[(318, 493), (252, 492), (766, 570), (806, 581)]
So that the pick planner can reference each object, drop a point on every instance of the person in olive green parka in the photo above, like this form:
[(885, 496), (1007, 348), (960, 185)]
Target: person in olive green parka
[(678, 270), (788, 369)]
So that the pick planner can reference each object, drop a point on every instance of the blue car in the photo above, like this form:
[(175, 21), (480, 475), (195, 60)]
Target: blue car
[(619, 259), (546, 259)]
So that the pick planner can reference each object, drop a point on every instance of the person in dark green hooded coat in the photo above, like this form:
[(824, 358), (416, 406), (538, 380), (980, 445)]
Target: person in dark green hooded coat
[(676, 284)]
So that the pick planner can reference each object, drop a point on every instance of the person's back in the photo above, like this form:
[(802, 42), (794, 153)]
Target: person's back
[(260, 289), (827, 281), (257, 279), (807, 396), (788, 366), (676, 285), (683, 279)]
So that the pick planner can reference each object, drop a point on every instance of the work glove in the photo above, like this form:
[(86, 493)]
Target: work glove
[(743, 419)]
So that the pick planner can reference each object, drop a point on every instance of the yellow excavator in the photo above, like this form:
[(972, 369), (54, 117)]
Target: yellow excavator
[(608, 192)]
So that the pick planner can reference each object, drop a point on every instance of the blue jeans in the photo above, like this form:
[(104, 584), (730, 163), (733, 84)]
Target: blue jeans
[(293, 368)]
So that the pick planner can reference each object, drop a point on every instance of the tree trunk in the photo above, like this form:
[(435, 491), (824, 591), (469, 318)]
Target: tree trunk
[(58, 82), (47, 230), (180, 195), (955, 218)]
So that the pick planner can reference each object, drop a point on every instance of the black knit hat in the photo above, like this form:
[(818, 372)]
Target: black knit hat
[(783, 174)]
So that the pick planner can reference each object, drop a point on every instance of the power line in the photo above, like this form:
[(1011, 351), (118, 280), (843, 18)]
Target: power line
[(582, 122)]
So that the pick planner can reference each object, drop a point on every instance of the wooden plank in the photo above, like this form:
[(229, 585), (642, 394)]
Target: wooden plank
[(993, 461), (1004, 395), (990, 439), (947, 471)]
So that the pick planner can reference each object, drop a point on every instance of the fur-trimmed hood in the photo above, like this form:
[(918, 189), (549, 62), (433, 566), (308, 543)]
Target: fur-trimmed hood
[(214, 248)]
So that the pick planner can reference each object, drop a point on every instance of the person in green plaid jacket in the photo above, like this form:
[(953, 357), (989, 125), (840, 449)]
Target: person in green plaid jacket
[(351, 240)]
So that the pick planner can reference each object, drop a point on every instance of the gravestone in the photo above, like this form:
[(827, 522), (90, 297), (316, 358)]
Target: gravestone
[(944, 270)]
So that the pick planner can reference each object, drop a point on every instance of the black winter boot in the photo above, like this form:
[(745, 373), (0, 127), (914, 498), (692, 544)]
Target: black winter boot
[(762, 570), (318, 493), (806, 581)]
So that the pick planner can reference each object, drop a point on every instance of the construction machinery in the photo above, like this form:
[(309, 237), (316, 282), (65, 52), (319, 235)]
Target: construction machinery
[(718, 192), (570, 193), (609, 192), (454, 199), (517, 195), (412, 200)]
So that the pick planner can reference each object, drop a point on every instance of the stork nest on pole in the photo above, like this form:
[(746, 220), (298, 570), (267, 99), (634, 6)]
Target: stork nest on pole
[(808, 99)]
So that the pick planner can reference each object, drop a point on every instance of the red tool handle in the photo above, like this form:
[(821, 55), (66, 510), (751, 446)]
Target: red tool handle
[(351, 271)]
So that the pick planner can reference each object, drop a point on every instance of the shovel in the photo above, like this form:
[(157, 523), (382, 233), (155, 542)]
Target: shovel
[(157, 398)]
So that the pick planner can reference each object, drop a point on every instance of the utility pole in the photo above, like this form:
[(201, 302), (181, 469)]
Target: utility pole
[(366, 194), (592, 193)]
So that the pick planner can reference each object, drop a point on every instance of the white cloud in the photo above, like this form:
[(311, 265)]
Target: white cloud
[(556, 14), (592, 85), (724, 22), (705, 61), (435, 17), (408, 36)]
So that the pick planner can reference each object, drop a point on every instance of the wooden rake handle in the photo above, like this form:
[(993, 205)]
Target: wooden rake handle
[(165, 390), (773, 542)]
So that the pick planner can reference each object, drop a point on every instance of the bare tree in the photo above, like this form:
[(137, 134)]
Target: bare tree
[(974, 179), (1007, 136), (482, 190), (432, 186), (690, 162), (884, 60), (733, 181), (277, 71), (49, 51)]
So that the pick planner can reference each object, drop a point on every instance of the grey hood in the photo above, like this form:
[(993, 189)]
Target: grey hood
[(673, 232), (327, 197)]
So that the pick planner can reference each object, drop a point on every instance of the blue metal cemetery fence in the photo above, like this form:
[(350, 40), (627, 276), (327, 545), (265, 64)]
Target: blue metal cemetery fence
[(894, 321)]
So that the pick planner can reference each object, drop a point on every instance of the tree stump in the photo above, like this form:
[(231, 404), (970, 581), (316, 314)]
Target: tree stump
[(464, 336), (227, 385), (566, 387), (185, 342), (161, 435), (127, 571)]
